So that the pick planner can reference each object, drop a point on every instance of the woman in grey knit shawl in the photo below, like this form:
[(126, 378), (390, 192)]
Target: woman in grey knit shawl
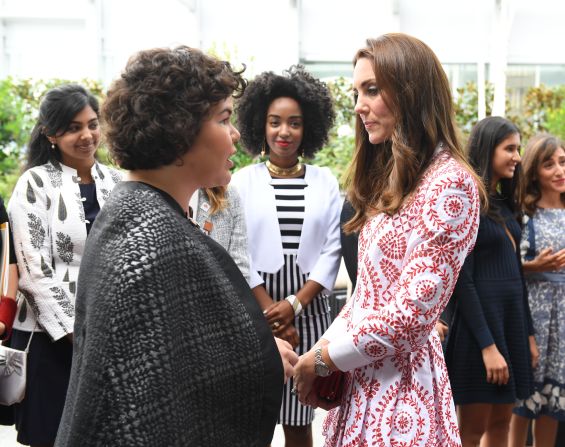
[(170, 347)]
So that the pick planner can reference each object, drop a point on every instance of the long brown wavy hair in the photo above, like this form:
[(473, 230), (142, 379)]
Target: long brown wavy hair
[(539, 149), (416, 91)]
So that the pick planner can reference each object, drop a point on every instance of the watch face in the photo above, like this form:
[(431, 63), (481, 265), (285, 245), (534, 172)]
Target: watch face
[(321, 370)]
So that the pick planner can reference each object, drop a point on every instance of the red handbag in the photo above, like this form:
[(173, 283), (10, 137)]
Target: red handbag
[(330, 388)]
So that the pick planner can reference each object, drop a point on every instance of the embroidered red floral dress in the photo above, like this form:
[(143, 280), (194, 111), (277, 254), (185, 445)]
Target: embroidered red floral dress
[(397, 391)]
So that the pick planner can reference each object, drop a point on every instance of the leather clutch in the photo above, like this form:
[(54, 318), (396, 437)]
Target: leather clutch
[(330, 388)]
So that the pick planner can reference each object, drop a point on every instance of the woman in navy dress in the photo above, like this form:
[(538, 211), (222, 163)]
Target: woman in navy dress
[(488, 352)]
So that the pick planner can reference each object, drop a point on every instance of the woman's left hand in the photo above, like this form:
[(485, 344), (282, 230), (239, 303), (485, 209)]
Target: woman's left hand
[(280, 312), (304, 376), (534, 352)]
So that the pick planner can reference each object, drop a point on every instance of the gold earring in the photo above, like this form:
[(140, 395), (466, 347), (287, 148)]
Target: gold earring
[(263, 150)]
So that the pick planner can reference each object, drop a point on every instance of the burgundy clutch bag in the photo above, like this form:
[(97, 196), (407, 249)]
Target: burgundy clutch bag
[(330, 388)]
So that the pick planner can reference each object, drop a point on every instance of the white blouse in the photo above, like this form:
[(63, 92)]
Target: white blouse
[(319, 252), (49, 228)]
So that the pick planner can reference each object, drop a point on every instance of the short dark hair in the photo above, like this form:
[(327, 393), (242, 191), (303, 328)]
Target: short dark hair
[(56, 111), (155, 110), (312, 95), (485, 136)]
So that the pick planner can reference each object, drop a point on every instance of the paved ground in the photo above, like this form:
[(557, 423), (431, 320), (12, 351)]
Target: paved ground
[(8, 437), (8, 434), (278, 439)]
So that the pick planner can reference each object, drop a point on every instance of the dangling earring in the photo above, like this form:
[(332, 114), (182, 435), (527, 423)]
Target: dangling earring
[(263, 152), (53, 146), (302, 152)]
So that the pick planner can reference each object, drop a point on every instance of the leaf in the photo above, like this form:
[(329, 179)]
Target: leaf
[(65, 247), (100, 174), (45, 269), (66, 277), (37, 179), (23, 312), (47, 203), (36, 231), (30, 194), (62, 209), (57, 165), (73, 287)]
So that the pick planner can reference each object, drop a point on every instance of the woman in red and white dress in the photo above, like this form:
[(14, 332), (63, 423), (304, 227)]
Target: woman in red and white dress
[(417, 206)]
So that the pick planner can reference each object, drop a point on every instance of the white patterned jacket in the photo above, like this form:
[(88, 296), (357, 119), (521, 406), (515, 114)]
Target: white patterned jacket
[(49, 228)]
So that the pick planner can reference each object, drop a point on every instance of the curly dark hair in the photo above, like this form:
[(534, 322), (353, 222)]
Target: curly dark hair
[(155, 110), (312, 95)]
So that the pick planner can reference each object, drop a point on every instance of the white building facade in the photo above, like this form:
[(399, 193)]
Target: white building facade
[(74, 39)]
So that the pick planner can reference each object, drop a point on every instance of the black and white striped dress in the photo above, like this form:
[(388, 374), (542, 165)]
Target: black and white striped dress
[(289, 197)]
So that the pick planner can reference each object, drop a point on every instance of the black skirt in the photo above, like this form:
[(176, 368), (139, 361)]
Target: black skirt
[(38, 415)]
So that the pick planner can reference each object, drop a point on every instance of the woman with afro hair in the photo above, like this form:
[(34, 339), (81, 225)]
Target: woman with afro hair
[(292, 212)]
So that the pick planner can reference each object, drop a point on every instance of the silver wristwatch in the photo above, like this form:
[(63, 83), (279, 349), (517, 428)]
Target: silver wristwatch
[(320, 367)]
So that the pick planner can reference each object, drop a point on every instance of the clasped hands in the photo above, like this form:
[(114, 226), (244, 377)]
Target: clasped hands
[(304, 376), (280, 316)]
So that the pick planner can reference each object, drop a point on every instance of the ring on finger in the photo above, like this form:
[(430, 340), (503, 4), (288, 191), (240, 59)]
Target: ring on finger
[(276, 325)]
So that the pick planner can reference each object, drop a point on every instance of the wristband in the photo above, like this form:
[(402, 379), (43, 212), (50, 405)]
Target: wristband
[(8, 308), (296, 305)]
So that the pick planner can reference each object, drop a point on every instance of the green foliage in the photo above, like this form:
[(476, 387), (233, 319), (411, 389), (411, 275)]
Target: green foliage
[(540, 108), (242, 158), (543, 110), (13, 126), (337, 154), (466, 105), (556, 121)]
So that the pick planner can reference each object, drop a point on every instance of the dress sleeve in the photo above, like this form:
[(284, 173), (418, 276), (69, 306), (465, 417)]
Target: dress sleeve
[(327, 265), (44, 292), (469, 304), (444, 233)]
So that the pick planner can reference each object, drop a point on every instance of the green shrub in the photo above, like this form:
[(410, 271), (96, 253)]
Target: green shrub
[(543, 110)]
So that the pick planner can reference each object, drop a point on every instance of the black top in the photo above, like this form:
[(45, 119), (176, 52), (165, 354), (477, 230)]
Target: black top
[(171, 347), (349, 242), (3, 219), (89, 203)]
